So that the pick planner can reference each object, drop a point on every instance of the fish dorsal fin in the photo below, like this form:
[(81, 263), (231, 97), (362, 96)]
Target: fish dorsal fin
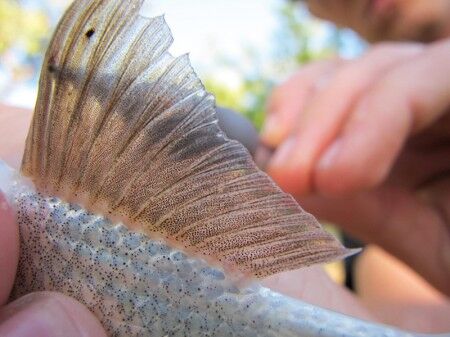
[(126, 129)]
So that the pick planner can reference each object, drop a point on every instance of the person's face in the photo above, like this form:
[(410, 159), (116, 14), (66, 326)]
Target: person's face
[(375, 20)]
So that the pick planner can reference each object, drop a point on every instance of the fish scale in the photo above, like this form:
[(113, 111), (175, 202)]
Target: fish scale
[(138, 286)]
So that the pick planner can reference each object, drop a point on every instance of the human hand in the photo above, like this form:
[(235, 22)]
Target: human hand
[(366, 144)]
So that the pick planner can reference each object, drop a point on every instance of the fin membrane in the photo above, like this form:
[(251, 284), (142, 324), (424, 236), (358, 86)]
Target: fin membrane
[(126, 129)]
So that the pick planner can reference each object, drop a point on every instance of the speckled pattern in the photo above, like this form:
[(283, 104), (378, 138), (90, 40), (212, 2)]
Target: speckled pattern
[(125, 129), (141, 287)]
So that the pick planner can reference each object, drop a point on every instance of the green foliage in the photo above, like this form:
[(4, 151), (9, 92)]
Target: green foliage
[(21, 26), (256, 92), (295, 45), (297, 35), (225, 96), (249, 98)]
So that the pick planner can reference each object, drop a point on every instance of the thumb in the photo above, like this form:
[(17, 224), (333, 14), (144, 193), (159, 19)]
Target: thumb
[(9, 248), (48, 314)]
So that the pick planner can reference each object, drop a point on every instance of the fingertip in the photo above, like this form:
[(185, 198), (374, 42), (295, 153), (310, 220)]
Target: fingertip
[(288, 102), (48, 314), (273, 131), (86, 322), (287, 180), (9, 244), (288, 168), (284, 113)]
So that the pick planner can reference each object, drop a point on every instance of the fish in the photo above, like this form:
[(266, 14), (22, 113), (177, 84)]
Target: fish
[(133, 201)]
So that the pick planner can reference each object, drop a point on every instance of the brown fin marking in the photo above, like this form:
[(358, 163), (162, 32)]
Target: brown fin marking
[(123, 127)]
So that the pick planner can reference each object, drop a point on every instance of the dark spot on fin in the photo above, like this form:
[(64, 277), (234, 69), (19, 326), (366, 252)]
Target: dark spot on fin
[(51, 68), (90, 32)]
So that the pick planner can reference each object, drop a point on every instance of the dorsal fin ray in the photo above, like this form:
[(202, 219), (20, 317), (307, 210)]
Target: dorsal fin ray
[(124, 128)]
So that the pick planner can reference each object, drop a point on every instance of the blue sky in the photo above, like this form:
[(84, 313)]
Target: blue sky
[(205, 28)]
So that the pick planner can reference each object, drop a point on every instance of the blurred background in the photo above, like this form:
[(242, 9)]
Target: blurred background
[(240, 49)]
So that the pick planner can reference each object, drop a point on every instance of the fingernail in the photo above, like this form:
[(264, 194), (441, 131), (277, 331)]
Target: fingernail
[(284, 153), (329, 157), (272, 129), (38, 315)]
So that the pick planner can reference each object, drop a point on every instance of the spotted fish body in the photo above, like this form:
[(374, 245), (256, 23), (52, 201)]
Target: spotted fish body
[(140, 286), (128, 133)]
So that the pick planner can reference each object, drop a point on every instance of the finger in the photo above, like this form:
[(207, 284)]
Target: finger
[(14, 124), (48, 314), (9, 249), (398, 295), (404, 101), (293, 163), (317, 288), (397, 221), (289, 99), (416, 167)]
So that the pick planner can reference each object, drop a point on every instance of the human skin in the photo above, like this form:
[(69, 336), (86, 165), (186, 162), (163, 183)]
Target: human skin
[(381, 20), (396, 295), (365, 144)]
